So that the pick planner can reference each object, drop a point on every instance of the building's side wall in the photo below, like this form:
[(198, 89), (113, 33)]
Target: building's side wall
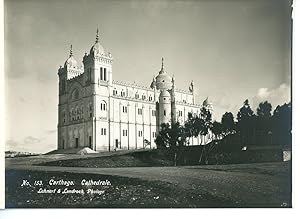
[(131, 119), (75, 118)]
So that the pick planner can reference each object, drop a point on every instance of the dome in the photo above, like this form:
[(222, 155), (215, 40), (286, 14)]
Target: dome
[(97, 48), (163, 80), (71, 62)]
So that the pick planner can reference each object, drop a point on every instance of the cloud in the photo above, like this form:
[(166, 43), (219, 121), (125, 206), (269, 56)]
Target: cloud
[(263, 93), (31, 144), (11, 142), (31, 140), (276, 96)]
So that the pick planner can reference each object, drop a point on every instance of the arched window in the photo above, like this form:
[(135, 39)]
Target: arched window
[(124, 109), (75, 94), (104, 76), (101, 73), (115, 92), (103, 106)]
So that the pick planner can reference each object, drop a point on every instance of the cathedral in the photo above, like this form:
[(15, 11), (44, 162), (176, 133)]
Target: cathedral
[(98, 112)]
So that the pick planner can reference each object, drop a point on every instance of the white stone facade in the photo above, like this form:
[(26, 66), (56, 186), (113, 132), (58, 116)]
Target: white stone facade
[(95, 111)]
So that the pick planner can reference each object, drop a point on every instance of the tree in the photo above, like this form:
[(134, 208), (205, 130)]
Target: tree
[(193, 125), (264, 110), (245, 112), (282, 124), (172, 137), (198, 125), (228, 123), (206, 117), (263, 122), (217, 129), (245, 125)]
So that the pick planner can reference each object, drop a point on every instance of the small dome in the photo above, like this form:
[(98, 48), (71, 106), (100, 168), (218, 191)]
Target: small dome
[(163, 80), (97, 48), (71, 62)]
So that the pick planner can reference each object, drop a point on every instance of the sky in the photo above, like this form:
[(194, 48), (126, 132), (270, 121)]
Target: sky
[(232, 49)]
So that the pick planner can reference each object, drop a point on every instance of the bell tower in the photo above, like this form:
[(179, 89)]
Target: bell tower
[(164, 85), (98, 80), (98, 64)]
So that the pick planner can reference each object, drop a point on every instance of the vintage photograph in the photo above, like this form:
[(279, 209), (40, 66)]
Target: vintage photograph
[(148, 103)]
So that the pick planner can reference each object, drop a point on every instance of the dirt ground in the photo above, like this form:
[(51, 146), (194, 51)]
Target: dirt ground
[(237, 185), (123, 192)]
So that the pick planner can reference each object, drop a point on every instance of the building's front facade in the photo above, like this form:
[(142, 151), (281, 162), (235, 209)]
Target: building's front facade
[(95, 111)]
